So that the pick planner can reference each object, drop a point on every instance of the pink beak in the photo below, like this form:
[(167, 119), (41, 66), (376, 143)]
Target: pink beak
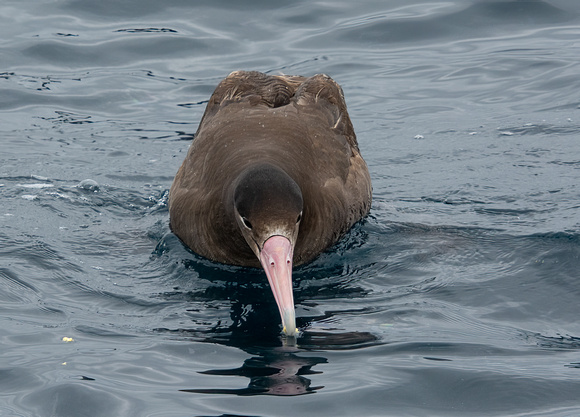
[(276, 259)]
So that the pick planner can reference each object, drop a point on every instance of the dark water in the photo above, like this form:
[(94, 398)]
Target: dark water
[(459, 295)]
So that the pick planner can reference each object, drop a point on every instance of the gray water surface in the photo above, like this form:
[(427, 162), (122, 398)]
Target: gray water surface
[(458, 295)]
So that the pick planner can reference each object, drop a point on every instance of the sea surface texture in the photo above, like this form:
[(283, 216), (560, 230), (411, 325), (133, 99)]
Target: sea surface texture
[(459, 295)]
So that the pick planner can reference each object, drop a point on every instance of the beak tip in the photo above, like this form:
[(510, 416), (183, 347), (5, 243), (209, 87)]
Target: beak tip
[(292, 331), (289, 323)]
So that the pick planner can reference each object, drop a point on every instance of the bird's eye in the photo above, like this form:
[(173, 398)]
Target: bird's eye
[(299, 218), (246, 223)]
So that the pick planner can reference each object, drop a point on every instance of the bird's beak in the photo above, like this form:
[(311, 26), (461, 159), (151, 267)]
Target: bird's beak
[(276, 259)]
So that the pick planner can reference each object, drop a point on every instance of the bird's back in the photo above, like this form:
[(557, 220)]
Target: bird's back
[(300, 125)]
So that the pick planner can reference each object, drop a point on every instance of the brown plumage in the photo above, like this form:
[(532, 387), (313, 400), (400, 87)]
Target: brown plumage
[(273, 156)]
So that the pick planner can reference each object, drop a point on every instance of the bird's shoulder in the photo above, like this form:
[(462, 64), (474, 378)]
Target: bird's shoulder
[(318, 97)]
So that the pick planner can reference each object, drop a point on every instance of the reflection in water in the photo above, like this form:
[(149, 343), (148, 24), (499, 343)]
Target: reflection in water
[(277, 365), (278, 371)]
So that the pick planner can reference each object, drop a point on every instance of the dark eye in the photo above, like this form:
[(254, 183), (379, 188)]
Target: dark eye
[(246, 223), (299, 218)]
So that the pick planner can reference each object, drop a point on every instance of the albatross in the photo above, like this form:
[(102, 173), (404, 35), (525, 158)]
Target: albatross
[(273, 177)]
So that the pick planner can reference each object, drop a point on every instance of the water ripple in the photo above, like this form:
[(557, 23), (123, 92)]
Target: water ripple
[(462, 280)]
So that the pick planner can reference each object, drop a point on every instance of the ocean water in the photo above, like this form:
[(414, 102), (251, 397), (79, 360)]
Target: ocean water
[(458, 295)]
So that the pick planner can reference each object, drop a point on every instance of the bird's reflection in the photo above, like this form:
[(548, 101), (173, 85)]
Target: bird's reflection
[(278, 371), (278, 366)]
